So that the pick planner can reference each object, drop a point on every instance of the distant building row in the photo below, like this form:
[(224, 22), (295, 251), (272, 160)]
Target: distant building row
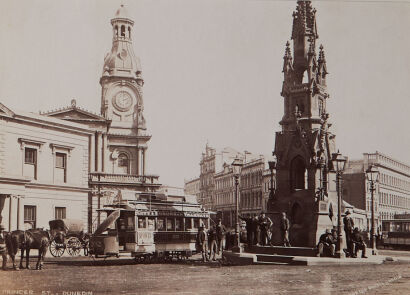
[(215, 187)]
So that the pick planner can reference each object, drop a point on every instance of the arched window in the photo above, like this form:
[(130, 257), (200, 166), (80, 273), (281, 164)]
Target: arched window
[(129, 32), (298, 174), (122, 31), (123, 163), (116, 31)]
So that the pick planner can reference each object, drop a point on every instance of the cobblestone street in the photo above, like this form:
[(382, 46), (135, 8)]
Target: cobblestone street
[(122, 276)]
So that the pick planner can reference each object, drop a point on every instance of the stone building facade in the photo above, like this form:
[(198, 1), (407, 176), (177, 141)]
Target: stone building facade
[(251, 187), (44, 168), (192, 187), (392, 194), (115, 141)]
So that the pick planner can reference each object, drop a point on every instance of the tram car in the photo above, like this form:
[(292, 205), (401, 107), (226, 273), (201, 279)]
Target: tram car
[(396, 233), (152, 226)]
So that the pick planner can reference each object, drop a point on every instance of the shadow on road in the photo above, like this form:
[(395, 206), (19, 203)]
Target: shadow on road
[(118, 262)]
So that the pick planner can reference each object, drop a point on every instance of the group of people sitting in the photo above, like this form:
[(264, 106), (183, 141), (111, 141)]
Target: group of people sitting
[(328, 240)]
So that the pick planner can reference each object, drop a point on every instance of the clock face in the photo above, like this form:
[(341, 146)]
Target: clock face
[(122, 101)]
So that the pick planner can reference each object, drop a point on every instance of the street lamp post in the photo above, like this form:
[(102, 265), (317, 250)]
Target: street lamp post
[(237, 166), (372, 174), (272, 166), (339, 162)]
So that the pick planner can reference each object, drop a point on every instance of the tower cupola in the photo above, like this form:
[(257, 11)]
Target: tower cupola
[(121, 61)]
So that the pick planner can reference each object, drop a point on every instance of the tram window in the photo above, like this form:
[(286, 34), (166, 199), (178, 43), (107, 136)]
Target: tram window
[(170, 223), (142, 223), (161, 223), (151, 223), (130, 223), (188, 223), (196, 222), (178, 224)]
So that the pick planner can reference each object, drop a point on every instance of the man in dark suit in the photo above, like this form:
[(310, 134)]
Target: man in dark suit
[(358, 243), (202, 243), (265, 224), (348, 228), (327, 244), (220, 235), (284, 228)]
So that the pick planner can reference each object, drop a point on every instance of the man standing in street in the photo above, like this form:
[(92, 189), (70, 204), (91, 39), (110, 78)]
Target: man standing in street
[(220, 236), (256, 230), (212, 244), (348, 228), (202, 243), (3, 248), (265, 224), (249, 229), (284, 228)]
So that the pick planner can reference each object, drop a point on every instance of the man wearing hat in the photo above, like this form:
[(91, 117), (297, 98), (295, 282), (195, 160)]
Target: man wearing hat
[(359, 244), (327, 244), (265, 225), (3, 248), (220, 234), (348, 227), (202, 243)]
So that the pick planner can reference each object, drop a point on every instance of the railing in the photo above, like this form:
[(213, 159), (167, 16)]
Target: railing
[(100, 177)]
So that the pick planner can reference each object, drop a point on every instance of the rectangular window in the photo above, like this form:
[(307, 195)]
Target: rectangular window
[(60, 160), (61, 167), (60, 212), (30, 156), (170, 224), (161, 223), (142, 223), (29, 217), (30, 163)]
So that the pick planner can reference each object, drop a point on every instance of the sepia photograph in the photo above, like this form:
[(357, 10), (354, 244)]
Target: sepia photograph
[(204, 147)]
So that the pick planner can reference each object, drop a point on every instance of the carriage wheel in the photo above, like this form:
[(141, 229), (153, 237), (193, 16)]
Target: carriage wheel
[(56, 249), (74, 246)]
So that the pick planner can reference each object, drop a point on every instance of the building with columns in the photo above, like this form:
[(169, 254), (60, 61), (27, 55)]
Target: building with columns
[(44, 165), (116, 140), (392, 191)]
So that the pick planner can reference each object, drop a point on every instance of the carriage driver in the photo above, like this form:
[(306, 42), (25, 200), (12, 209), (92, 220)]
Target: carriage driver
[(3, 249)]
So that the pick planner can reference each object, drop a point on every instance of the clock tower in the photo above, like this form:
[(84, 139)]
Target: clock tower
[(122, 101)]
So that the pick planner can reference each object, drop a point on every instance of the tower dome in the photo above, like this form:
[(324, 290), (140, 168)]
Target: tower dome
[(121, 61)]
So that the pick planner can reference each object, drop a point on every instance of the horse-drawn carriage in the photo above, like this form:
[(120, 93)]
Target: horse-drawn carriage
[(68, 234)]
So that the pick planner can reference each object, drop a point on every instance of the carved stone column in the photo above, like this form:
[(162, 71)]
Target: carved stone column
[(99, 151), (92, 153)]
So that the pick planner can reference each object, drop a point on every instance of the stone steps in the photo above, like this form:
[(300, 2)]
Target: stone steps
[(285, 251)]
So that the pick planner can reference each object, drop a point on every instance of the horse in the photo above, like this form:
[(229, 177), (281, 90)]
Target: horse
[(26, 240)]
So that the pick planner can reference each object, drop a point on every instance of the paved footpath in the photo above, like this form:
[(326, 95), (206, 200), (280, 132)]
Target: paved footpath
[(69, 276)]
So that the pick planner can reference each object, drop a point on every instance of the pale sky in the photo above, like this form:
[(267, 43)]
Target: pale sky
[(213, 70)]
